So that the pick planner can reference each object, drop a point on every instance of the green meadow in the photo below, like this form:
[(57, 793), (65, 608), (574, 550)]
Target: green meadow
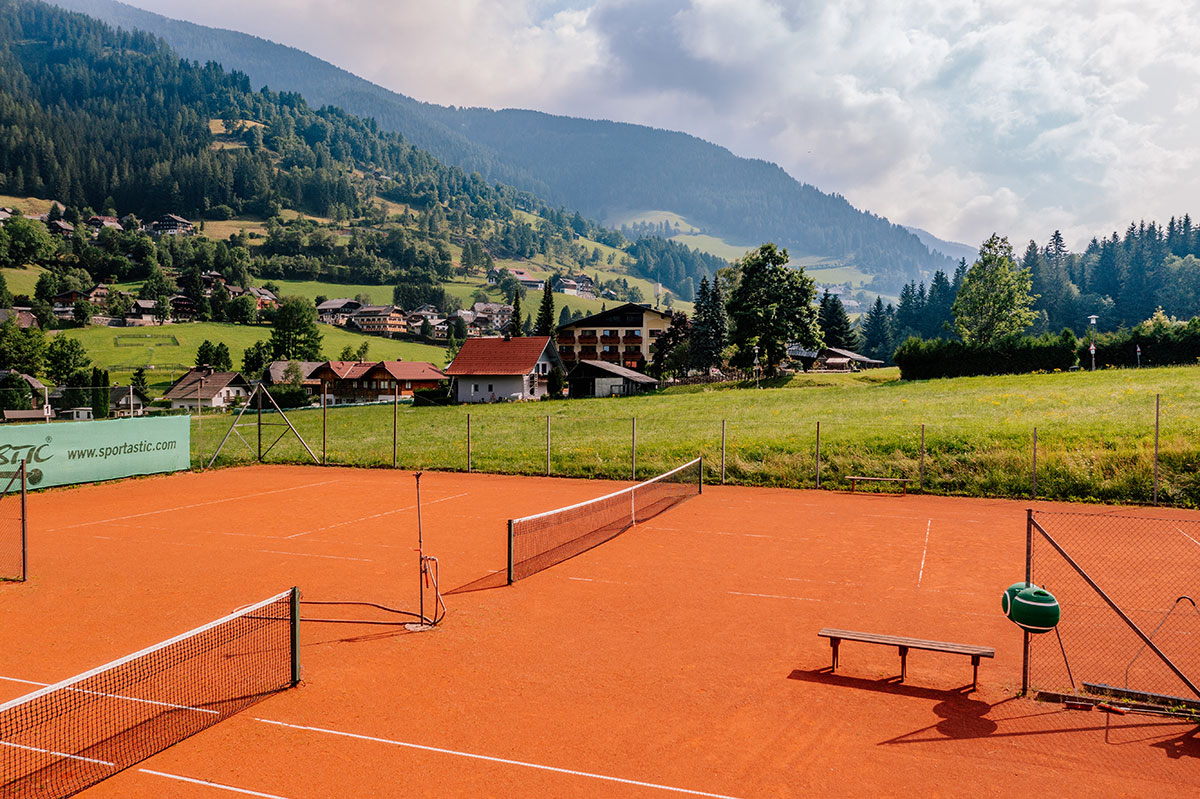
[(1095, 434)]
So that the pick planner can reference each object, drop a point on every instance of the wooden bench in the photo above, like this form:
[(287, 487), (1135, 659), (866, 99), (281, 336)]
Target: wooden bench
[(904, 644), (903, 481)]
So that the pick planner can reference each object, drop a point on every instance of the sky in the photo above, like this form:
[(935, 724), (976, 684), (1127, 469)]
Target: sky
[(962, 117)]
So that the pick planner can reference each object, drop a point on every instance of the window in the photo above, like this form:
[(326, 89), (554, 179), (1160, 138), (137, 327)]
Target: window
[(489, 388), (408, 384), (474, 388), (655, 333)]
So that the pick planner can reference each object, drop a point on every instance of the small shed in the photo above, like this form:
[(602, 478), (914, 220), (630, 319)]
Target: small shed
[(602, 379)]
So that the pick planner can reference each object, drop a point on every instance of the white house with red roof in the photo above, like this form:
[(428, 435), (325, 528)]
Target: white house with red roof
[(501, 369)]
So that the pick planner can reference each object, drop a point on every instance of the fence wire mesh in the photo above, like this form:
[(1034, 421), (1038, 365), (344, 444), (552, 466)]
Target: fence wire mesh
[(1149, 566)]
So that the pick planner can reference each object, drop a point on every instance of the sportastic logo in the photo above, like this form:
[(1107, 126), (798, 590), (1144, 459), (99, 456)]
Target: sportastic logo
[(12, 454)]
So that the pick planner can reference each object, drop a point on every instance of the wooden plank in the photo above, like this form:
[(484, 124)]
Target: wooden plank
[(914, 643), (883, 479)]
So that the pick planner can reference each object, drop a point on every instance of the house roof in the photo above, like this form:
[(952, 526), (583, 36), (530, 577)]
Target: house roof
[(276, 372), (26, 416), (853, 356), (499, 356), (119, 394), (617, 370), (339, 304), (618, 317), (21, 317), (189, 387), (398, 370), (34, 383)]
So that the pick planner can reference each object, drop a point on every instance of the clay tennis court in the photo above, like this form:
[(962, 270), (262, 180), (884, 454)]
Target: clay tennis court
[(680, 658)]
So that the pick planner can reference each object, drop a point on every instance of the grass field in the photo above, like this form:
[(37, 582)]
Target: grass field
[(1095, 434), (22, 281), (165, 360)]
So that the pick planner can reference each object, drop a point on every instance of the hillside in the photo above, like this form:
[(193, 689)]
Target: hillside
[(604, 169)]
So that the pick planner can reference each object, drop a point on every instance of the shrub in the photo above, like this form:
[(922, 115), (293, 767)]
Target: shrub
[(921, 359)]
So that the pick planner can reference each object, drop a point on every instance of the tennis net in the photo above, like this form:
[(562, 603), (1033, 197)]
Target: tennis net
[(69, 736), (12, 525), (545, 539)]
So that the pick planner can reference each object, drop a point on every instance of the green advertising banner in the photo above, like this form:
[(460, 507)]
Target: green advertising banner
[(65, 453)]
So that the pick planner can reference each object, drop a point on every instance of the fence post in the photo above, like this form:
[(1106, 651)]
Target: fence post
[(722, 452), (921, 484), (468, 443), (547, 445), (818, 454), (1157, 398), (25, 520), (200, 421), (258, 393), (395, 419), (324, 456), (1028, 582), (1033, 493), (633, 452)]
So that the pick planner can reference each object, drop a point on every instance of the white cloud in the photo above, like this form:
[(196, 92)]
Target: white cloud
[(960, 116)]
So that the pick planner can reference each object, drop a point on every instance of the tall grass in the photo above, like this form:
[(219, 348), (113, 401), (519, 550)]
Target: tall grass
[(1095, 434)]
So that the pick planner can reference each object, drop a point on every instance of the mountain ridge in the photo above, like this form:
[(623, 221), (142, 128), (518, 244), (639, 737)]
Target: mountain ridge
[(596, 166)]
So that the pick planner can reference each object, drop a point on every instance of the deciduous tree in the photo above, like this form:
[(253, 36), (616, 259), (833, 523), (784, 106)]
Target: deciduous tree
[(994, 300)]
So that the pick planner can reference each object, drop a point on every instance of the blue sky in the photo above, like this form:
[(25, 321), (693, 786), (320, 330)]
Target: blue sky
[(963, 118)]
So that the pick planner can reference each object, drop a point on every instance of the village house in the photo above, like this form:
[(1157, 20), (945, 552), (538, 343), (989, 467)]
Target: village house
[(565, 285), (602, 379), (336, 312), (22, 317), (201, 387), (170, 225), (346, 382), (499, 369), (276, 374), (61, 228), (127, 401), (623, 335), (98, 223), (379, 320), (141, 313)]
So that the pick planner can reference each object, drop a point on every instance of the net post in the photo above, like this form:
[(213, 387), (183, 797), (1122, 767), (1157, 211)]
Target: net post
[(258, 393), (1028, 581), (295, 609), (722, 452), (24, 523), (510, 551)]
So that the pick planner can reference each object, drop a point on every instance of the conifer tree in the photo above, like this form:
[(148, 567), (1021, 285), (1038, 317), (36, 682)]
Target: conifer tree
[(877, 334), (835, 324), (545, 318), (514, 328)]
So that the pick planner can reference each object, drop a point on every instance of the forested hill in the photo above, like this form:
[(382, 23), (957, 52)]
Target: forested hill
[(601, 168)]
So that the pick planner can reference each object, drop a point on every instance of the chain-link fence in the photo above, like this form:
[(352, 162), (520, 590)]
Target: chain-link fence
[(1156, 458), (1127, 586)]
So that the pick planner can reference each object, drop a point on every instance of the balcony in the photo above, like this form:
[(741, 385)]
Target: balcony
[(566, 338), (587, 339), (610, 356), (566, 353), (587, 352), (610, 339), (631, 340)]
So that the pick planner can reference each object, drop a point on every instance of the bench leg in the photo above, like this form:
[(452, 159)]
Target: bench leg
[(975, 672), (833, 645), (852, 484), (903, 662)]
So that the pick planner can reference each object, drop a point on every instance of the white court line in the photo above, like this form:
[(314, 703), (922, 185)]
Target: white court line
[(193, 505), (1188, 537), (58, 754), (594, 580), (116, 696), (921, 573), (374, 516), (216, 785), (491, 759), (777, 596)]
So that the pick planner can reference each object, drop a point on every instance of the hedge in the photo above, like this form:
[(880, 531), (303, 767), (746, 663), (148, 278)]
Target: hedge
[(923, 359)]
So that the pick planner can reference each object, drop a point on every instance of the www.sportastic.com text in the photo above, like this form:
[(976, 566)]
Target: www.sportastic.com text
[(104, 453)]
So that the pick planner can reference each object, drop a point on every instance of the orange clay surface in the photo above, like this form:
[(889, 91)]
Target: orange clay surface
[(680, 659)]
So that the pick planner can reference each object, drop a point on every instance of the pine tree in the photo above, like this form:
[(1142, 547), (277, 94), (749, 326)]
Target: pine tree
[(545, 318), (877, 334), (938, 317), (514, 327), (835, 324)]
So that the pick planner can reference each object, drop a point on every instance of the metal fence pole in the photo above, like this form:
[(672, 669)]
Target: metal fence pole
[(395, 419), (468, 443), (258, 393), (24, 521), (324, 418), (200, 421), (722, 452), (818, 454), (921, 483), (1028, 581), (547, 445), (633, 452), (1033, 492), (1157, 398)]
